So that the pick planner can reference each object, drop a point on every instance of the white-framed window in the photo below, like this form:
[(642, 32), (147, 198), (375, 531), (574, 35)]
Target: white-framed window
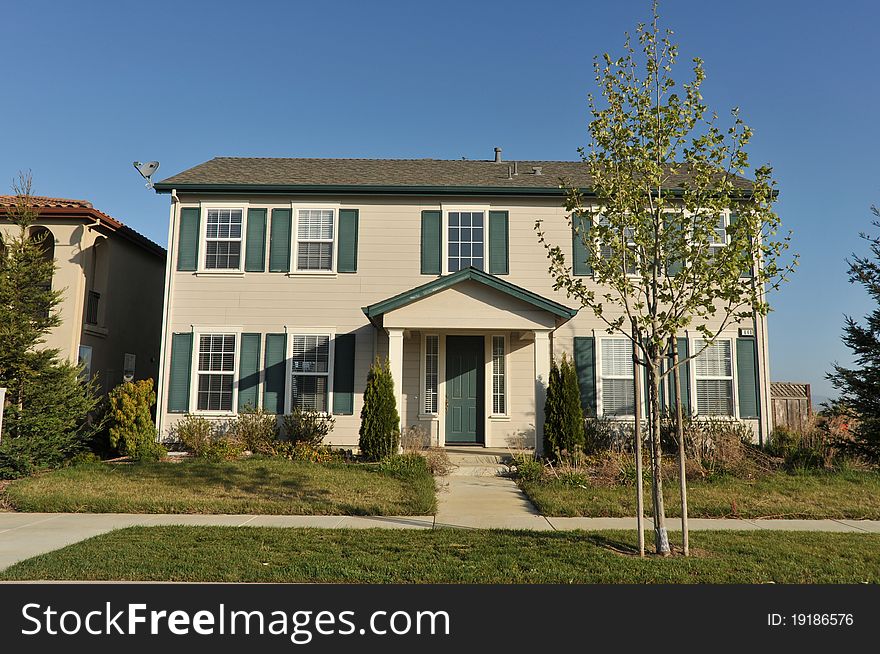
[(499, 376), (718, 238), (310, 372), (315, 230), (223, 229), (713, 370), (432, 374), (465, 240), (616, 381), (215, 372), (606, 252)]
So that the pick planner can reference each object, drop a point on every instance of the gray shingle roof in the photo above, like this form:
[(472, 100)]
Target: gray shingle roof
[(403, 173)]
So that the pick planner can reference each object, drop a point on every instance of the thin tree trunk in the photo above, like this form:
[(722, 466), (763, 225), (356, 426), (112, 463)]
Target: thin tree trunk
[(661, 537), (637, 435), (679, 434)]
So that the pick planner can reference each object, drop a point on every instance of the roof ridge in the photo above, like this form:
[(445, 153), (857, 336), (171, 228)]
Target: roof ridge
[(492, 161)]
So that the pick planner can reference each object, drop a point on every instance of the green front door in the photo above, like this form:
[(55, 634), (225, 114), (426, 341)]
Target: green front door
[(465, 368)]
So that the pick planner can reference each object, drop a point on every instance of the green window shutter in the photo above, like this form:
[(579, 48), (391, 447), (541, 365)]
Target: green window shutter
[(255, 247), (431, 242), (343, 374), (248, 371), (180, 369), (747, 377), (347, 246), (747, 272), (580, 227), (684, 376), (188, 240), (585, 365), (498, 243), (279, 241), (275, 385)]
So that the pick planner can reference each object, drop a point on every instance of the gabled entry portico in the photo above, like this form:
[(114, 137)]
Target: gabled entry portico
[(470, 356)]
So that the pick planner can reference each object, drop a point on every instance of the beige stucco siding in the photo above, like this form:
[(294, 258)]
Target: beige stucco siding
[(130, 280)]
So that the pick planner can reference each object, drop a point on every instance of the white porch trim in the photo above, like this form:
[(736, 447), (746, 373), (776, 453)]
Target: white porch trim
[(542, 378)]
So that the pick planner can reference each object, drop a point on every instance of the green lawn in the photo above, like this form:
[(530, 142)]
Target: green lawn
[(265, 554), (846, 494), (272, 486)]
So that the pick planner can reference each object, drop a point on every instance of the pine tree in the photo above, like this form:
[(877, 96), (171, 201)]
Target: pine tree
[(380, 421), (48, 405), (859, 387), (563, 415)]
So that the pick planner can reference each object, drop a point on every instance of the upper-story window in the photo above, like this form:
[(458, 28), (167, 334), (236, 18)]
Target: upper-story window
[(630, 254), (223, 239), (465, 240), (314, 240)]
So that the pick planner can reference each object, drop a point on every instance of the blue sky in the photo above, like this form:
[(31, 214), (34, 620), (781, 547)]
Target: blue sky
[(92, 86)]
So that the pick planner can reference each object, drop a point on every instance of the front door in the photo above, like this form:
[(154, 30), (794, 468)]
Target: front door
[(465, 369)]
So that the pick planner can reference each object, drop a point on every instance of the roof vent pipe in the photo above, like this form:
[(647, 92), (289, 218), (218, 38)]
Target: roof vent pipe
[(497, 155), (537, 170), (509, 172), (515, 171)]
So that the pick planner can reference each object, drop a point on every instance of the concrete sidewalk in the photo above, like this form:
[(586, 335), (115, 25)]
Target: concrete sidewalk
[(23, 535)]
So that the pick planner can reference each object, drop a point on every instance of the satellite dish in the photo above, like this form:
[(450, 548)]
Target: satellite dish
[(146, 170)]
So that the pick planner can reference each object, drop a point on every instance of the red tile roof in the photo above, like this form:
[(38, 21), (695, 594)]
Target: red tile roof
[(43, 201), (68, 208)]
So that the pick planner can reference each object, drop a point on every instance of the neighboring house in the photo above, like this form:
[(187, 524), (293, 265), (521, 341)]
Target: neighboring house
[(287, 277), (111, 279)]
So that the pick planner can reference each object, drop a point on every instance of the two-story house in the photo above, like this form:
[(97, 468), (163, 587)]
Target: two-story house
[(287, 277), (111, 279)]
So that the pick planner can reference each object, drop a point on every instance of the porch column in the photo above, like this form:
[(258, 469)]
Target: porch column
[(542, 378), (395, 361)]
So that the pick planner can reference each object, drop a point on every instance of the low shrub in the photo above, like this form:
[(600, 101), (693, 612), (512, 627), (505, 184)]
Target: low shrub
[(608, 435), (438, 461), (309, 427), (256, 430), (300, 451), (207, 439), (223, 448), (194, 433), (131, 428), (527, 467), (414, 439)]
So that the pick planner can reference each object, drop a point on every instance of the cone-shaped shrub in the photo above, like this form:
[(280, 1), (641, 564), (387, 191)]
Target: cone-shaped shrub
[(563, 415), (380, 422)]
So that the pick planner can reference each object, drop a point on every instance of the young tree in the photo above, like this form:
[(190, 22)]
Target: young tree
[(675, 235), (563, 415), (859, 387), (48, 404), (380, 421)]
